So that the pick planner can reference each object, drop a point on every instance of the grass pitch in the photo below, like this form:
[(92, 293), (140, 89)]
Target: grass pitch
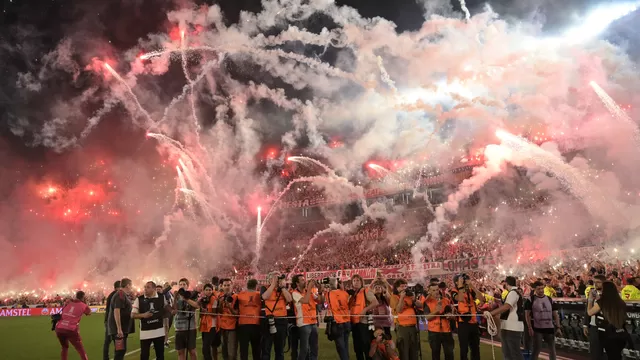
[(31, 338)]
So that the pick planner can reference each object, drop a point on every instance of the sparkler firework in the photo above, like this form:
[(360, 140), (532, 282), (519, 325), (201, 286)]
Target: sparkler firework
[(423, 99)]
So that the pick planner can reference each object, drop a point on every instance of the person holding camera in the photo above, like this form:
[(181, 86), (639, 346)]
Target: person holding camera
[(274, 325), (209, 323), (304, 303), (227, 320), (404, 306), (68, 326), (249, 305), (382, 312), (437, 310), (120, 323), (184, 308), (465, 296), (382, 347), (337, 319), (150, 309), (361, 303)]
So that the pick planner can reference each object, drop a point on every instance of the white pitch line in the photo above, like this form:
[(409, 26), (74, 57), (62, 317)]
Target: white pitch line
[(174, 350)]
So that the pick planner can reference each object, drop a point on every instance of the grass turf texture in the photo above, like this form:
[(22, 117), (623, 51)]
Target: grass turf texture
[(31, 338)]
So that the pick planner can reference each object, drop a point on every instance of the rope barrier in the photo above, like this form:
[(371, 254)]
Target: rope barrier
[(492, 327)]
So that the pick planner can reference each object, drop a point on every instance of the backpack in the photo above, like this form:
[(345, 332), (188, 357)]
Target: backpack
[(519, 310)]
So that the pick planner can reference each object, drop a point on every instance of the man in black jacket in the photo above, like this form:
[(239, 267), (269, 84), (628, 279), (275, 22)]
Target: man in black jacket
[(107, 339)]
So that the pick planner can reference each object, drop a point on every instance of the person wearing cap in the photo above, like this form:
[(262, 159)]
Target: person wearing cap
[(465, 296)]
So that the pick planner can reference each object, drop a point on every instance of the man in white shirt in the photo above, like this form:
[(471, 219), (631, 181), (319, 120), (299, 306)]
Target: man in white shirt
[(151, 309), (511, 322)]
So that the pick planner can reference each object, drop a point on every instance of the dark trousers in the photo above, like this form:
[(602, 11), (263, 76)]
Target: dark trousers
[(469, 337), (362, 338), (342, 332), (441, 340), (308, 336), (249, 334), (596, 350), (407, 342), (294, 340), (158, 347), (275, 341), (613, 345), (107, 344), (210, 343), (119, 354)]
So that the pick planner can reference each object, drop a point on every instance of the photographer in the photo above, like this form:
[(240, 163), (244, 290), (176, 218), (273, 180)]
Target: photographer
[(274, 325), (439, 325), (382, 312), (184, 309), (68, 326), (382, 347), (404, 305), (227, 320), (361, 303), (150, 309), (209, 323), (465, 296), (304, 302), (337, 319), (249, 305)]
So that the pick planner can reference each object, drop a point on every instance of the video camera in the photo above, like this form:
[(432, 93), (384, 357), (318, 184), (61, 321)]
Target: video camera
[(325, 281), (228, 298)]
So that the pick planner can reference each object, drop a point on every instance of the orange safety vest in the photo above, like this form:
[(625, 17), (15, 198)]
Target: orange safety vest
[(207, 321), (276, 305), (357, 303), (408, 315), (249, 305), (439, 324), (466, 307), (339, 305), (226, 320), (307, 311)]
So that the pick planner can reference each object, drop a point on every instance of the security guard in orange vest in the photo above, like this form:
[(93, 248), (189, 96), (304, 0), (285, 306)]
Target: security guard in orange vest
[(468, 331), (436, 308)]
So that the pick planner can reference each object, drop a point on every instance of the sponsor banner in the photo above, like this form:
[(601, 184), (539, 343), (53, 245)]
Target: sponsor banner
[(41, 311)]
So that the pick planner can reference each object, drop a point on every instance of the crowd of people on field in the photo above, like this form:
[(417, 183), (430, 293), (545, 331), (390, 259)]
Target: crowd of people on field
[(382, 319)]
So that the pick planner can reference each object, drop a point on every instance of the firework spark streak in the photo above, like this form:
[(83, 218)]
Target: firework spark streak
[(616, 111), (130, 91)]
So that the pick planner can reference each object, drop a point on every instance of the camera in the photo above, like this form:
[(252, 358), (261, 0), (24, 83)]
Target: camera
[(205, 300), (272, 324), (228, 298), (325, 281), (409, 291), (191, 295), (282, 277)]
